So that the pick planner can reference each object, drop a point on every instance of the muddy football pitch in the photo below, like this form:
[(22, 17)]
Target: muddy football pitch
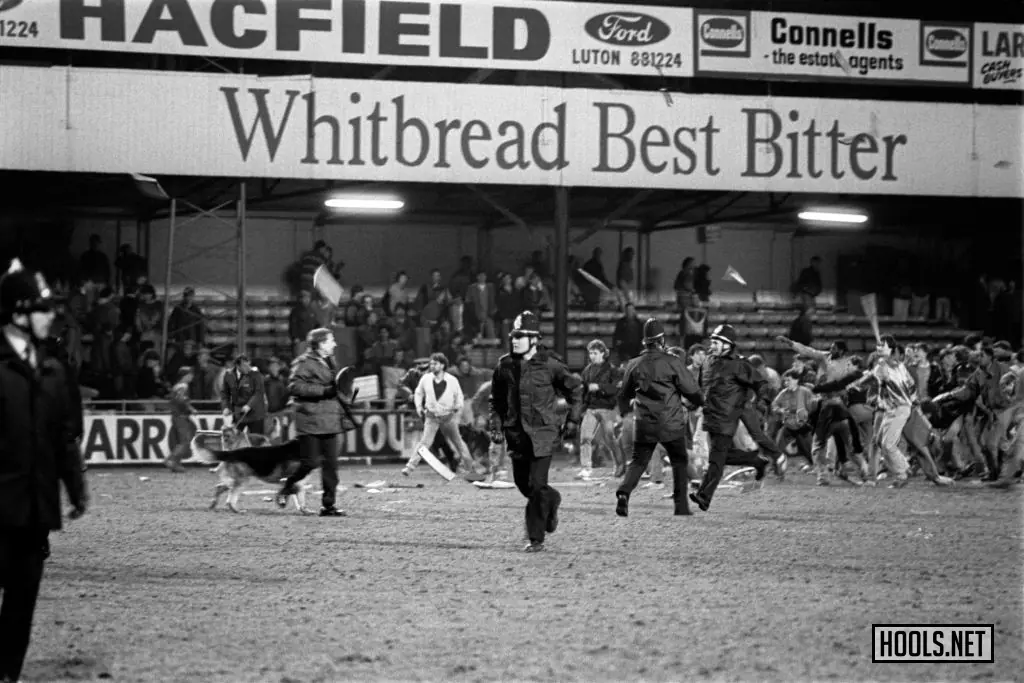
[(431, 583)]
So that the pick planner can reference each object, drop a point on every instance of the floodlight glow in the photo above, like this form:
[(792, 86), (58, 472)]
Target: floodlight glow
[(832, 217), (365, 203)]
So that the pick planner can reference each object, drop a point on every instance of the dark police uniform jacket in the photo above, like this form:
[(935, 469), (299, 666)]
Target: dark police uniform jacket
[(246, 390), (727, 382), (37, 442), (523, 395), (659, 381)]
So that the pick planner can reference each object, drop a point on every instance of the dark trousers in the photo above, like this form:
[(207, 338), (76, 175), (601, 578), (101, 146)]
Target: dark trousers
[(318, 450), (802, 438), (21, 570), (723, 453), (679, 458), (530, 473), (752, 421), (254, 425)]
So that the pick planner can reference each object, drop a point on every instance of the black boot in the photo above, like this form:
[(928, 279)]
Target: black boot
[(622, 504)]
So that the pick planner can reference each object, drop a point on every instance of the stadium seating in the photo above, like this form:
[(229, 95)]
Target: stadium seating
[(758, 317)]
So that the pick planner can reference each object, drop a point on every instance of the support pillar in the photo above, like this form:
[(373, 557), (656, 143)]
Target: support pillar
[(167, 278), (560, 297), (243, 323), (641, 263), (647, 264)]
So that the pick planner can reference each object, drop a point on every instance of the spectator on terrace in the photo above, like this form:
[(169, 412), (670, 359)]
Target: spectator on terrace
[(629, 334), (685, 284), (535, 296), (319, 255), (353, 309), (802, 328), (151, 383), (129, 304), (625, 277), (403, 329), (481, 308), (187, 320), (366, 308), (324, 311), (808, 285), (103, 320), (508, 304), (537, 262), (149, 318), (69, 335), (123, 366), (204, 377), (901, 300), (458, 286), (382, 352), (81, 301), (94, 264), (366, 337), (523, 281), (920, 302), (436, 310), (131, 266), (179, 356), (430, 293), (702, 282), (301, 320), (398, 294), (441, 336)]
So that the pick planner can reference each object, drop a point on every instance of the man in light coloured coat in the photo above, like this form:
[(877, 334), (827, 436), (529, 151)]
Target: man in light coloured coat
[(439, 402)]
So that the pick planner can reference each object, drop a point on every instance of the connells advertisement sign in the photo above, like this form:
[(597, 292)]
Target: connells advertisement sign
[(783, 46), (299, 127), (522, 35)]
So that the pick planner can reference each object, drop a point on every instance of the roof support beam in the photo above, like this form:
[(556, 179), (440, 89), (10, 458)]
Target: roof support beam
[(507, 213)]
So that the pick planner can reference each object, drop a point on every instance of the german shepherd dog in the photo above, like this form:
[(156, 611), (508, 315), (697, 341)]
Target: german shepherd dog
[(271, 463)]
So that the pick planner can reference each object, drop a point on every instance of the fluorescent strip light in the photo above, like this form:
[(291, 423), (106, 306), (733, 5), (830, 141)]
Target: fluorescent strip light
[(832, 217), (365, 203)]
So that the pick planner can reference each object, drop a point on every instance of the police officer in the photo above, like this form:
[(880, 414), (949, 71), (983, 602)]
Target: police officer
[(37, 452), (244, 396), (319, 418), (726, 380), (659, 381), (523, 392)]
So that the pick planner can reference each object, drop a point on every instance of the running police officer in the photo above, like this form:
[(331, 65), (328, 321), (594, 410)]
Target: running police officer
[(37, 452), (659, 382), (523, 392), (726, 380)]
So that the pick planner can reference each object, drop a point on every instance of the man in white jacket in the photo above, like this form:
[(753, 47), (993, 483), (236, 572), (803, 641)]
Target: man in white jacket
[(439, 402)]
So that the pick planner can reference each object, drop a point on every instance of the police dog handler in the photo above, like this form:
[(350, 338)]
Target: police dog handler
[(319, 418), (524, 388), (37, 452), (660, 383)]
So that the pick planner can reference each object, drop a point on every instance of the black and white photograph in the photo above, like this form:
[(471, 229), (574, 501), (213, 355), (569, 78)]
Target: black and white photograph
[(490, 340)]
